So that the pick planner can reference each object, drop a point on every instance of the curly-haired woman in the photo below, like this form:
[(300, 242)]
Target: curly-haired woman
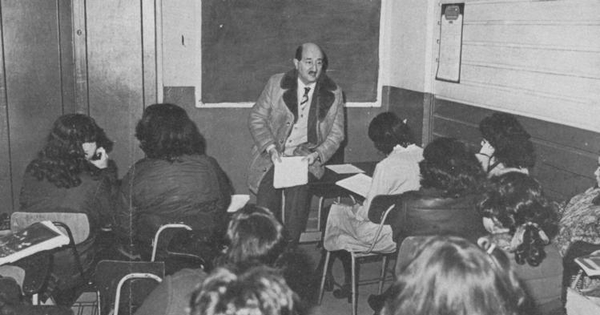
[(506, 146), (72, 173), (522, 222), (451, 181), (446, 203)]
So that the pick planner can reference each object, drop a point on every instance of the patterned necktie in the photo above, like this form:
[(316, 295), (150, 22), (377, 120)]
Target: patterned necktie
[(305, 96)]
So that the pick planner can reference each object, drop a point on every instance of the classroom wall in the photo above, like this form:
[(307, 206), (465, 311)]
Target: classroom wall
[(539, 60)]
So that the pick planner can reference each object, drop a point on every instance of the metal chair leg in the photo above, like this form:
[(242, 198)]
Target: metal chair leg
[(384, 264), (354, 285), (283, 206), (324, 277), (321, 202)]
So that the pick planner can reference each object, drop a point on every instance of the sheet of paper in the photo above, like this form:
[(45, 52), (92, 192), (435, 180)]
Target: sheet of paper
[(291, 171), (37, 237), (359, 184), (344, 168), (237, 202), (590, 264)]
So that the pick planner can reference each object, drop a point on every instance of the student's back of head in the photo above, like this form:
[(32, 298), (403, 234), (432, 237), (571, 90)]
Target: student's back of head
[(453, 276), (253, 235), (256, 291)]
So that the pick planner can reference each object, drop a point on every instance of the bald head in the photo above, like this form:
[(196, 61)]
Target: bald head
[(310, 61)]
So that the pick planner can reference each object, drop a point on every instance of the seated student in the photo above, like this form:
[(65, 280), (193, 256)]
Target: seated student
[(255, 237), (348, 227), (446, 203), (175, 182), (72, 173), (451, 181), (453, 276), (579, 217), (579, 231), (522, 223), (258, 290), (506, 146)]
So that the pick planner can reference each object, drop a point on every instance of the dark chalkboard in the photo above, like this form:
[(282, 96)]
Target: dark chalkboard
[(244, 42)]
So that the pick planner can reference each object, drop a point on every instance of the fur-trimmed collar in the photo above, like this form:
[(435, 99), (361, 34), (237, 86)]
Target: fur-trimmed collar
[(323, 96)]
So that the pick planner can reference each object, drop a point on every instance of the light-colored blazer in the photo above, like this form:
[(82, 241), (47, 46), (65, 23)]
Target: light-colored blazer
[(274, 114)]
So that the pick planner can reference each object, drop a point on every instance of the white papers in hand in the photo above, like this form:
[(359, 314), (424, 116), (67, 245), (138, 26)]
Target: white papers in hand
[(359, 184), (237, 202), (344, 168), (291, 171)]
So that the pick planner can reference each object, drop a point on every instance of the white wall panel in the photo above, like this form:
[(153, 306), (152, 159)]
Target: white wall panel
[(534, 58)]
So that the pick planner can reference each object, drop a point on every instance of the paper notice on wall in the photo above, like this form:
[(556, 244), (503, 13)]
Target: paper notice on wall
[(291, 171), (451, 28)]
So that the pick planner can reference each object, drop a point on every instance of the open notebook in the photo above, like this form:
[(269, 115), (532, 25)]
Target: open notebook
[(35, 238)]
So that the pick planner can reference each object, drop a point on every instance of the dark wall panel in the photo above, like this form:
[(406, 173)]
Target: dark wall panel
[(5, 171), (408, 105), (33, 78)]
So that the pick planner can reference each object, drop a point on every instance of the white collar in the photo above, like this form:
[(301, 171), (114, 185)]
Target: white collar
[(301, 85), (400, 148)]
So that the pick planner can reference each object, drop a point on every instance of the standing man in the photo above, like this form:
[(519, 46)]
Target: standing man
[(299, 113)]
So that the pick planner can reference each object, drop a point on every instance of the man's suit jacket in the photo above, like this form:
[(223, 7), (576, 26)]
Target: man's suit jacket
[(275, 112)]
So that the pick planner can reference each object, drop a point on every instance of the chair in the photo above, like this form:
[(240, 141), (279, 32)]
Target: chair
[(113, 277), (407, 250), (37, 268), (359, 255), (176, 245)]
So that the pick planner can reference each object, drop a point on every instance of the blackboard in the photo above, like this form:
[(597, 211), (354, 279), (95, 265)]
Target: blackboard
[(244, 42)]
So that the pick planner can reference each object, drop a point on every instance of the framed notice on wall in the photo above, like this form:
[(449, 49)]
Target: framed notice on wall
[(451, 29)]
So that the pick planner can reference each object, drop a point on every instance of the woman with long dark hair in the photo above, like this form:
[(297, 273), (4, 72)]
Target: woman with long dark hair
[(72, 173), (506, 145)]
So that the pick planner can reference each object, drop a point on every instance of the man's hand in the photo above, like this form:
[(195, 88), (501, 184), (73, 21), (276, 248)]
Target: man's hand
[(311, 158), (275, 157)]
